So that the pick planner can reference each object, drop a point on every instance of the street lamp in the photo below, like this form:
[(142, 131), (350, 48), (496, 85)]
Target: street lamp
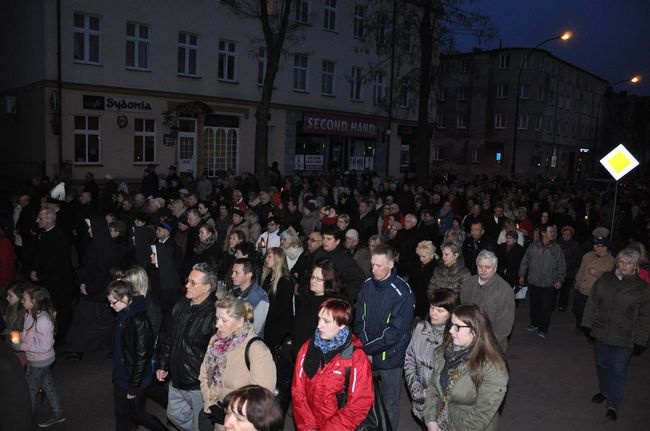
[(564, 36), (631, 80)]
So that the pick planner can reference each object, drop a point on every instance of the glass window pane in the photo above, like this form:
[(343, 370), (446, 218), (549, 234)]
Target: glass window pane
[(144, 31), (181, 37), (137, 124), (79, 122), (137, 149), (93, 148), (149, 125), (93, 51), (181, 60), (192, 70), (192, 39), (93, 123), (78, 47), (130, 29), (149, 148), (130, 53), (93, 23), (143, 51), (78, 20), (79, 148)]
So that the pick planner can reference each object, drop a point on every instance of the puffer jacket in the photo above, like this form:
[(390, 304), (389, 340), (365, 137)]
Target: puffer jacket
[(315, 405), (470, 408), (184, 343), (449, 278), (618, 310), (591, 268), (418, 365)]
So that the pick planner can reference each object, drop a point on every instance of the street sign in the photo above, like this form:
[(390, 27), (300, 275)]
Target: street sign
[(619, 162)]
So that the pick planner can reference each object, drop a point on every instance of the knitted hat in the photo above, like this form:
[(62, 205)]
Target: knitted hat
[(600, 231), (568, 228)]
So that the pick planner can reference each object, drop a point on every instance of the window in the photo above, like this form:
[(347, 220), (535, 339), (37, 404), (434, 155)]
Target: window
[(407, 37), (382, 31), (405, 93), (522, 122), (464, 66), (302, 11), (86, 39), (500, 120), (540, 63), (329, 15), (539, 123), (435, 152), (502, 91), (144, 140), (359, 20), (378, 88), (261, 65), (523, 91), (525, 61), (327, 78), (549, 126), (462, 96), (356, 84), (441, 121), (442, 94), (475, 156), (137, 46), (86, 139), (461, 121), (300, 63), (540, 93), (187, 50), (220, 146), (227, 56), (504, 61)]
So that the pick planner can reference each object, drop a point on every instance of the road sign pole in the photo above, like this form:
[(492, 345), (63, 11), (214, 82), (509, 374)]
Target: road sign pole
[(611, 231)]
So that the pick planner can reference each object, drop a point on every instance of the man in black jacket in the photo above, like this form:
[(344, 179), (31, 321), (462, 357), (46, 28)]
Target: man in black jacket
[(183, 345), (476, 241)]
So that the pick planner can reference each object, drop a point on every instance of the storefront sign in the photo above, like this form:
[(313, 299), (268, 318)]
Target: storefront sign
[(102, 103), (313, 162), (324, 124)]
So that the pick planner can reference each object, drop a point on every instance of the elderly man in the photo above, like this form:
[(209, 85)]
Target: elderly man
[(492, 294), (359, 252), (183, 345), (545, 267), (405, 242)]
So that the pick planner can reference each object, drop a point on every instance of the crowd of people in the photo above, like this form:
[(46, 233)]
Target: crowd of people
[(231, 304)]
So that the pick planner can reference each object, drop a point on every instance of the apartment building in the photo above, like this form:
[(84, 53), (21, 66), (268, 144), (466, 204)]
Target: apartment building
[(111, 87)]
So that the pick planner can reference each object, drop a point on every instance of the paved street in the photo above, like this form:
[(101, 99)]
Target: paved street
[(551, 384)]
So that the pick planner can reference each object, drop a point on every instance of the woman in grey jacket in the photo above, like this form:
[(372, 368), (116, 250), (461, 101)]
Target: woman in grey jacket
[(428, 335), (469, 378)]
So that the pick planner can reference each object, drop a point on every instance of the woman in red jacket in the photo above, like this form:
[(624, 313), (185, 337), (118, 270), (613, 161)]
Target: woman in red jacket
[(320, 374)]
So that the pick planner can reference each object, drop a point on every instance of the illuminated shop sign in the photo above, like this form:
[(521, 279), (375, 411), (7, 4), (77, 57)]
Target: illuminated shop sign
[(324, 124), (101, 103)]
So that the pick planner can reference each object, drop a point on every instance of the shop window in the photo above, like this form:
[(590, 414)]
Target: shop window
[(220, 147), (144, 140), (87, 144)]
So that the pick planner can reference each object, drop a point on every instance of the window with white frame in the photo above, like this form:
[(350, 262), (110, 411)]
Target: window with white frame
[(435, 152), (356, 84), (500, 120), (441, 94), (502, 91), (359, 21), (329, 15), (441, 121), (462, 96), (540, 62), (405, 93), (220, 147), (300, 64), (539, 123), (464, 65), (261, 65), (302, 11), (540, 93), (87, 145), (327, 78), (504, 61), (522, 122), (382, 31), (187, 53), (378, 88), (523, 91), (525, 61), (475, 156), (227, 59), (86, 38), (461, 121), (144, 140), (137, 46)]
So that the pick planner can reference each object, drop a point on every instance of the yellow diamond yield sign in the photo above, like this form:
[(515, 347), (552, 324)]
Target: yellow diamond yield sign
[(619, 162)]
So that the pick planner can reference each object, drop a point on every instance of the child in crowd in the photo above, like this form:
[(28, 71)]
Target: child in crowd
[(37, 341), (14, 315)]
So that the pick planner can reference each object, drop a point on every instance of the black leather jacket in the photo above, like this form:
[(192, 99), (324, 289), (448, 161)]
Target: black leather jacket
[(184, 341), (137, 348)]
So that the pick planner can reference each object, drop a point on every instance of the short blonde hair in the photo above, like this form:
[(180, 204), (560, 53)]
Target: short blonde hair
[(425, 248)]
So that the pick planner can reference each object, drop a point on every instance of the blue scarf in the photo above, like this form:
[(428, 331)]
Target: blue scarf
[(320, 352), (327, 346)]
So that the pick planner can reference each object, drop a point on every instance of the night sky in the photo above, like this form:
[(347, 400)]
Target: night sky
[(611, 38)]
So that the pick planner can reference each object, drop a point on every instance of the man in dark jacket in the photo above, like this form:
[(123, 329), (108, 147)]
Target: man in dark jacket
[(405, 243), (474, 243), (165, 268), (383, 324), (367, 225), (183, 344)]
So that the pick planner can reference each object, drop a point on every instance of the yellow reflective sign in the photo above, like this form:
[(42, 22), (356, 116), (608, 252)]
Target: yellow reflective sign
[(619, 162)]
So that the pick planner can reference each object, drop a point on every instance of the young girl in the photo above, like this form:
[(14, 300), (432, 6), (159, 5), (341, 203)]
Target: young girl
[(37, 341), (14, 315)]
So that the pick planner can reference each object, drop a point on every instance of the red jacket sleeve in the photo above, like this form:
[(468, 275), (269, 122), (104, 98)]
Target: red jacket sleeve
[(361, 396), (302, 415)]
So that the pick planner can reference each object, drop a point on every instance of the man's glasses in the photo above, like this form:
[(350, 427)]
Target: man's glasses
[(192, 282)]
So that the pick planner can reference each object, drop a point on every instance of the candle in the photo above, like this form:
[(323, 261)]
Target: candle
[(15, 337), (439, 220), (517, 225), (586, 218)]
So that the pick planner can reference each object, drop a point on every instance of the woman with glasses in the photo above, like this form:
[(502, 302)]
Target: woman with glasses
[(323, 284), (132, 352), (469, 377)]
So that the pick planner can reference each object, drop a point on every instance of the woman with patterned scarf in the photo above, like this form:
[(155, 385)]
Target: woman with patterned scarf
[(224, 367), (469, 378), (206, 249), (320, 374)]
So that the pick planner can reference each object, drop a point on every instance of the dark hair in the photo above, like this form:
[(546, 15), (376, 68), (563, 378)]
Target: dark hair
[(385, 250), (121, 288), (118, 226), (543, 227), (334, 231), (240, 234), (262, 409), (340, 309), (478, 221), (211, 230), (246, 248), (332, 283), (248, 266), (42, 302), (445, 298), (143, 217)]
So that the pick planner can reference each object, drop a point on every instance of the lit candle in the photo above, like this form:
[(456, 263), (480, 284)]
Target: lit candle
[(586, 218), (517, 225), (15, 337), (439, 220)]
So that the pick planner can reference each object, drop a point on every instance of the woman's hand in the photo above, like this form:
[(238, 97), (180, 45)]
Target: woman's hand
[(433, 426), (161, 375)]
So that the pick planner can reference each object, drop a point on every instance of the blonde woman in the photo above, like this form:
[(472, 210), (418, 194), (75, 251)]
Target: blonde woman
[(224, 367), (137, 276), (279, 285), (420, 276)]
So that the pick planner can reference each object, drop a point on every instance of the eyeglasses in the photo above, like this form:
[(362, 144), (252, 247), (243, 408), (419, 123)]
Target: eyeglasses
[(455, 328), (313, 277), (192, 282)]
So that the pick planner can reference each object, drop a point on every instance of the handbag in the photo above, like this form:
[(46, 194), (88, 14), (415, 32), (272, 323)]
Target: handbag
[(520, 292), (377, 419), (284, 372)]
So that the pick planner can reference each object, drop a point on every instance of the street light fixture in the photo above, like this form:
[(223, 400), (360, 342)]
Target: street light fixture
[(631, 80), (564, 36)]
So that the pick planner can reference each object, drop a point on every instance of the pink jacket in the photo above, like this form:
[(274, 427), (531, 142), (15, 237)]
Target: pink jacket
[(37, 340)]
